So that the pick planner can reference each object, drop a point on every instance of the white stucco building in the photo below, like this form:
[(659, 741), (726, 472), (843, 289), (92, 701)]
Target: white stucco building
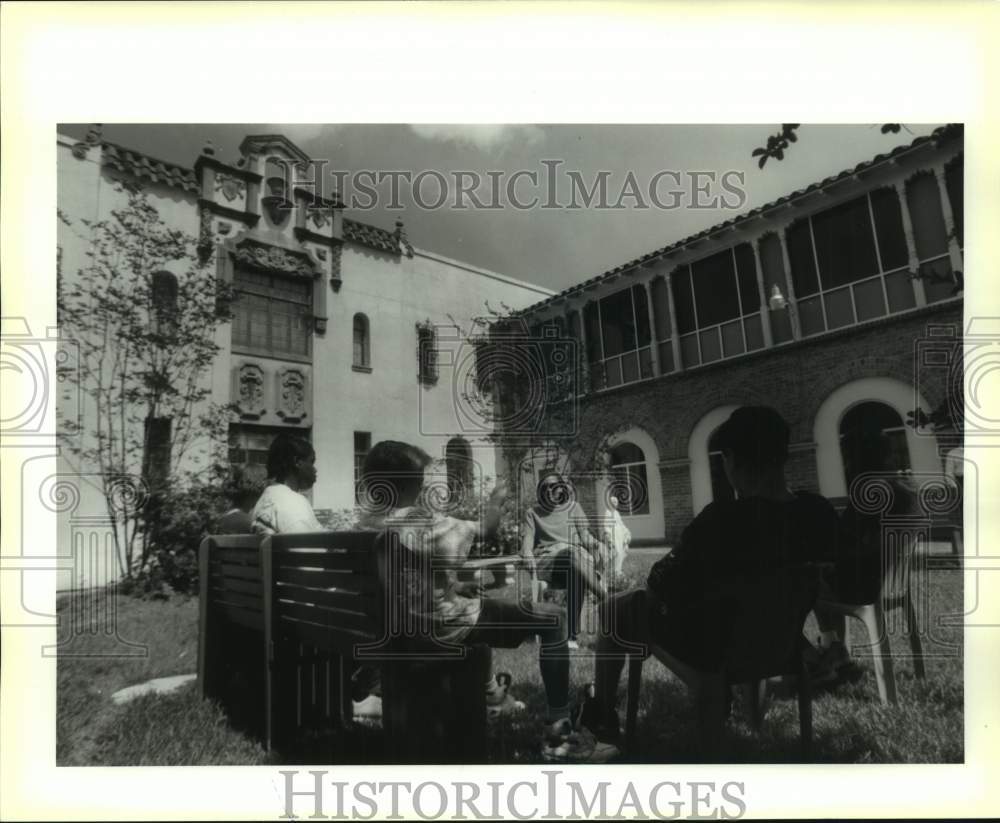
[(330, 314)]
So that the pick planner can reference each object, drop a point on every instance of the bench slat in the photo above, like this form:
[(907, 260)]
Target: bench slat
[(355, 542), (253, 602), (238, 584), (226, 570), (244, 557), (319, 559), (332, 598), (326, 579), (331, 619)]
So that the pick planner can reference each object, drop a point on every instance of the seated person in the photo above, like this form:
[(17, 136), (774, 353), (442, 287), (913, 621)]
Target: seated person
[(765, 528), (861, 553), (291, 465), (556, 542), (616, 536), (450, 611), (243, 495)]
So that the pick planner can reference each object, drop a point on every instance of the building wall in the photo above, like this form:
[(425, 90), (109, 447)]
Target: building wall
[(795, 379)]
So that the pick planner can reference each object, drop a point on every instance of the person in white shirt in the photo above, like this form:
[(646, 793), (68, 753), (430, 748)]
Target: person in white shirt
[(291, 463), (616, 536)]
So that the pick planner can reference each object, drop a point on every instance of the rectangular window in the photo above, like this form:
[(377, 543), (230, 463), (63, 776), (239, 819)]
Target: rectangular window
[(362, 445), (930, 237), (625, 339), (722, 310), (427, 364), (272, 314), (156, 450), (248, 446), (862, 257)]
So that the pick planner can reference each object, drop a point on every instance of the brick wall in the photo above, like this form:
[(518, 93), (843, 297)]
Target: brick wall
[(794, 379)]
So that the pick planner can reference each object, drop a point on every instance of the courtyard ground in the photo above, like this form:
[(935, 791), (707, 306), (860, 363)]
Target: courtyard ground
[(850, 725)]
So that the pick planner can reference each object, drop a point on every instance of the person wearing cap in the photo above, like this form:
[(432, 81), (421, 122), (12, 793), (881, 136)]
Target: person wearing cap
[(766, 527)]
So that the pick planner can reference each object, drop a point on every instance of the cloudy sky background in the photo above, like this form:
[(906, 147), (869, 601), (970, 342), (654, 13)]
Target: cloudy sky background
[(553, 248)]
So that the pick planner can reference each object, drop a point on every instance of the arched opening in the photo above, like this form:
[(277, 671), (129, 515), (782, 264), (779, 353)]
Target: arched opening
[(707, 473), (630, 484), (362, 342), (164, 291), (881, 396), (458, 466), (872, 439), (633, 476), (721, 487)]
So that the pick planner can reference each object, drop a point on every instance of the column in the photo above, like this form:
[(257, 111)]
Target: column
[(584, 365), (654, 352), (765, 310), (675, 336), (911, 246), (954, 252), (793, 309)]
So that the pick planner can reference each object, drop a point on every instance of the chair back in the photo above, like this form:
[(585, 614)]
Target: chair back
[(899, 552), (766, 613)]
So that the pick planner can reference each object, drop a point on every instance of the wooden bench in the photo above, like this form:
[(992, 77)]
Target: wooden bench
[(314, 607)]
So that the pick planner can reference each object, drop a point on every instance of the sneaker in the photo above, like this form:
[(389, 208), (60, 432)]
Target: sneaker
[(368, 709), (564, 744)]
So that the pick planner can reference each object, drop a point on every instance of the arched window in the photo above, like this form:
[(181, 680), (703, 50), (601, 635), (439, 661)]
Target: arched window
[(458, 464), (721, 487), (164, 298), (872, 439), (362, 343), (630, 484)]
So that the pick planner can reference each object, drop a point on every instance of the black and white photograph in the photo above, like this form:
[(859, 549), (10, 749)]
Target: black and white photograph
[(538, 450)]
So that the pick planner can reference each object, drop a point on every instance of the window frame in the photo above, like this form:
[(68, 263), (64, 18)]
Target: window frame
[(365, 364), (598, 369), (272, 296), (629, 469)]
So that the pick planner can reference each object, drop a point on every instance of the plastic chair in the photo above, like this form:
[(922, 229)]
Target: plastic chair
[(899, 551), (764, 627)]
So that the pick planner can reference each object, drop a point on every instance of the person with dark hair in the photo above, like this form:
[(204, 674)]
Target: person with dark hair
[(450, 611), (291, 465), (243, 495), (767, 527), (556, 541)]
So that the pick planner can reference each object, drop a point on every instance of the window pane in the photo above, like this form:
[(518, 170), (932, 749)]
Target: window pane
[(683, 300), (618, 323), (845, 246), (689, 350), (939, 283), (638, 490), (732, 338), (646, 362), (666, 352), (661, 309), (630, 367), (711, 348), (811, 316), (889, 229), (953, 178), (772, 264), (715, 289), (613, 372), (593, 327), (869, 300), (746, 271), (258, 325), (839, 312), (641, 316), (800, 256), (899, 287), (754, 332), (925, 213), (626, 453)]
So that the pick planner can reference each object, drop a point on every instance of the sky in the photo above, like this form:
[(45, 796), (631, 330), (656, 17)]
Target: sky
[(552, 247)]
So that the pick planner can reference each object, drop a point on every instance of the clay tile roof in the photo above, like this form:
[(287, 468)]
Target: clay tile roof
[(149, 168), (371, 236), (939, 135)]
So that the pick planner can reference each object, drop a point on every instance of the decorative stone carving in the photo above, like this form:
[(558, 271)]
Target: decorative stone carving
[(273, 258), (319, 217), (250, 391), (292, 403), (321, 253), (224, 227), (231, 187), (206, 240), (335, 280)]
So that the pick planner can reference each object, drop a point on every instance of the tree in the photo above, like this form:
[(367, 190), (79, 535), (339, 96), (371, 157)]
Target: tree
[(143, 314), (778, 144)]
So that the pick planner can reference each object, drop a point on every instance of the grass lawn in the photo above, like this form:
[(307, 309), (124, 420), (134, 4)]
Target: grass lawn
[(850, 725)]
